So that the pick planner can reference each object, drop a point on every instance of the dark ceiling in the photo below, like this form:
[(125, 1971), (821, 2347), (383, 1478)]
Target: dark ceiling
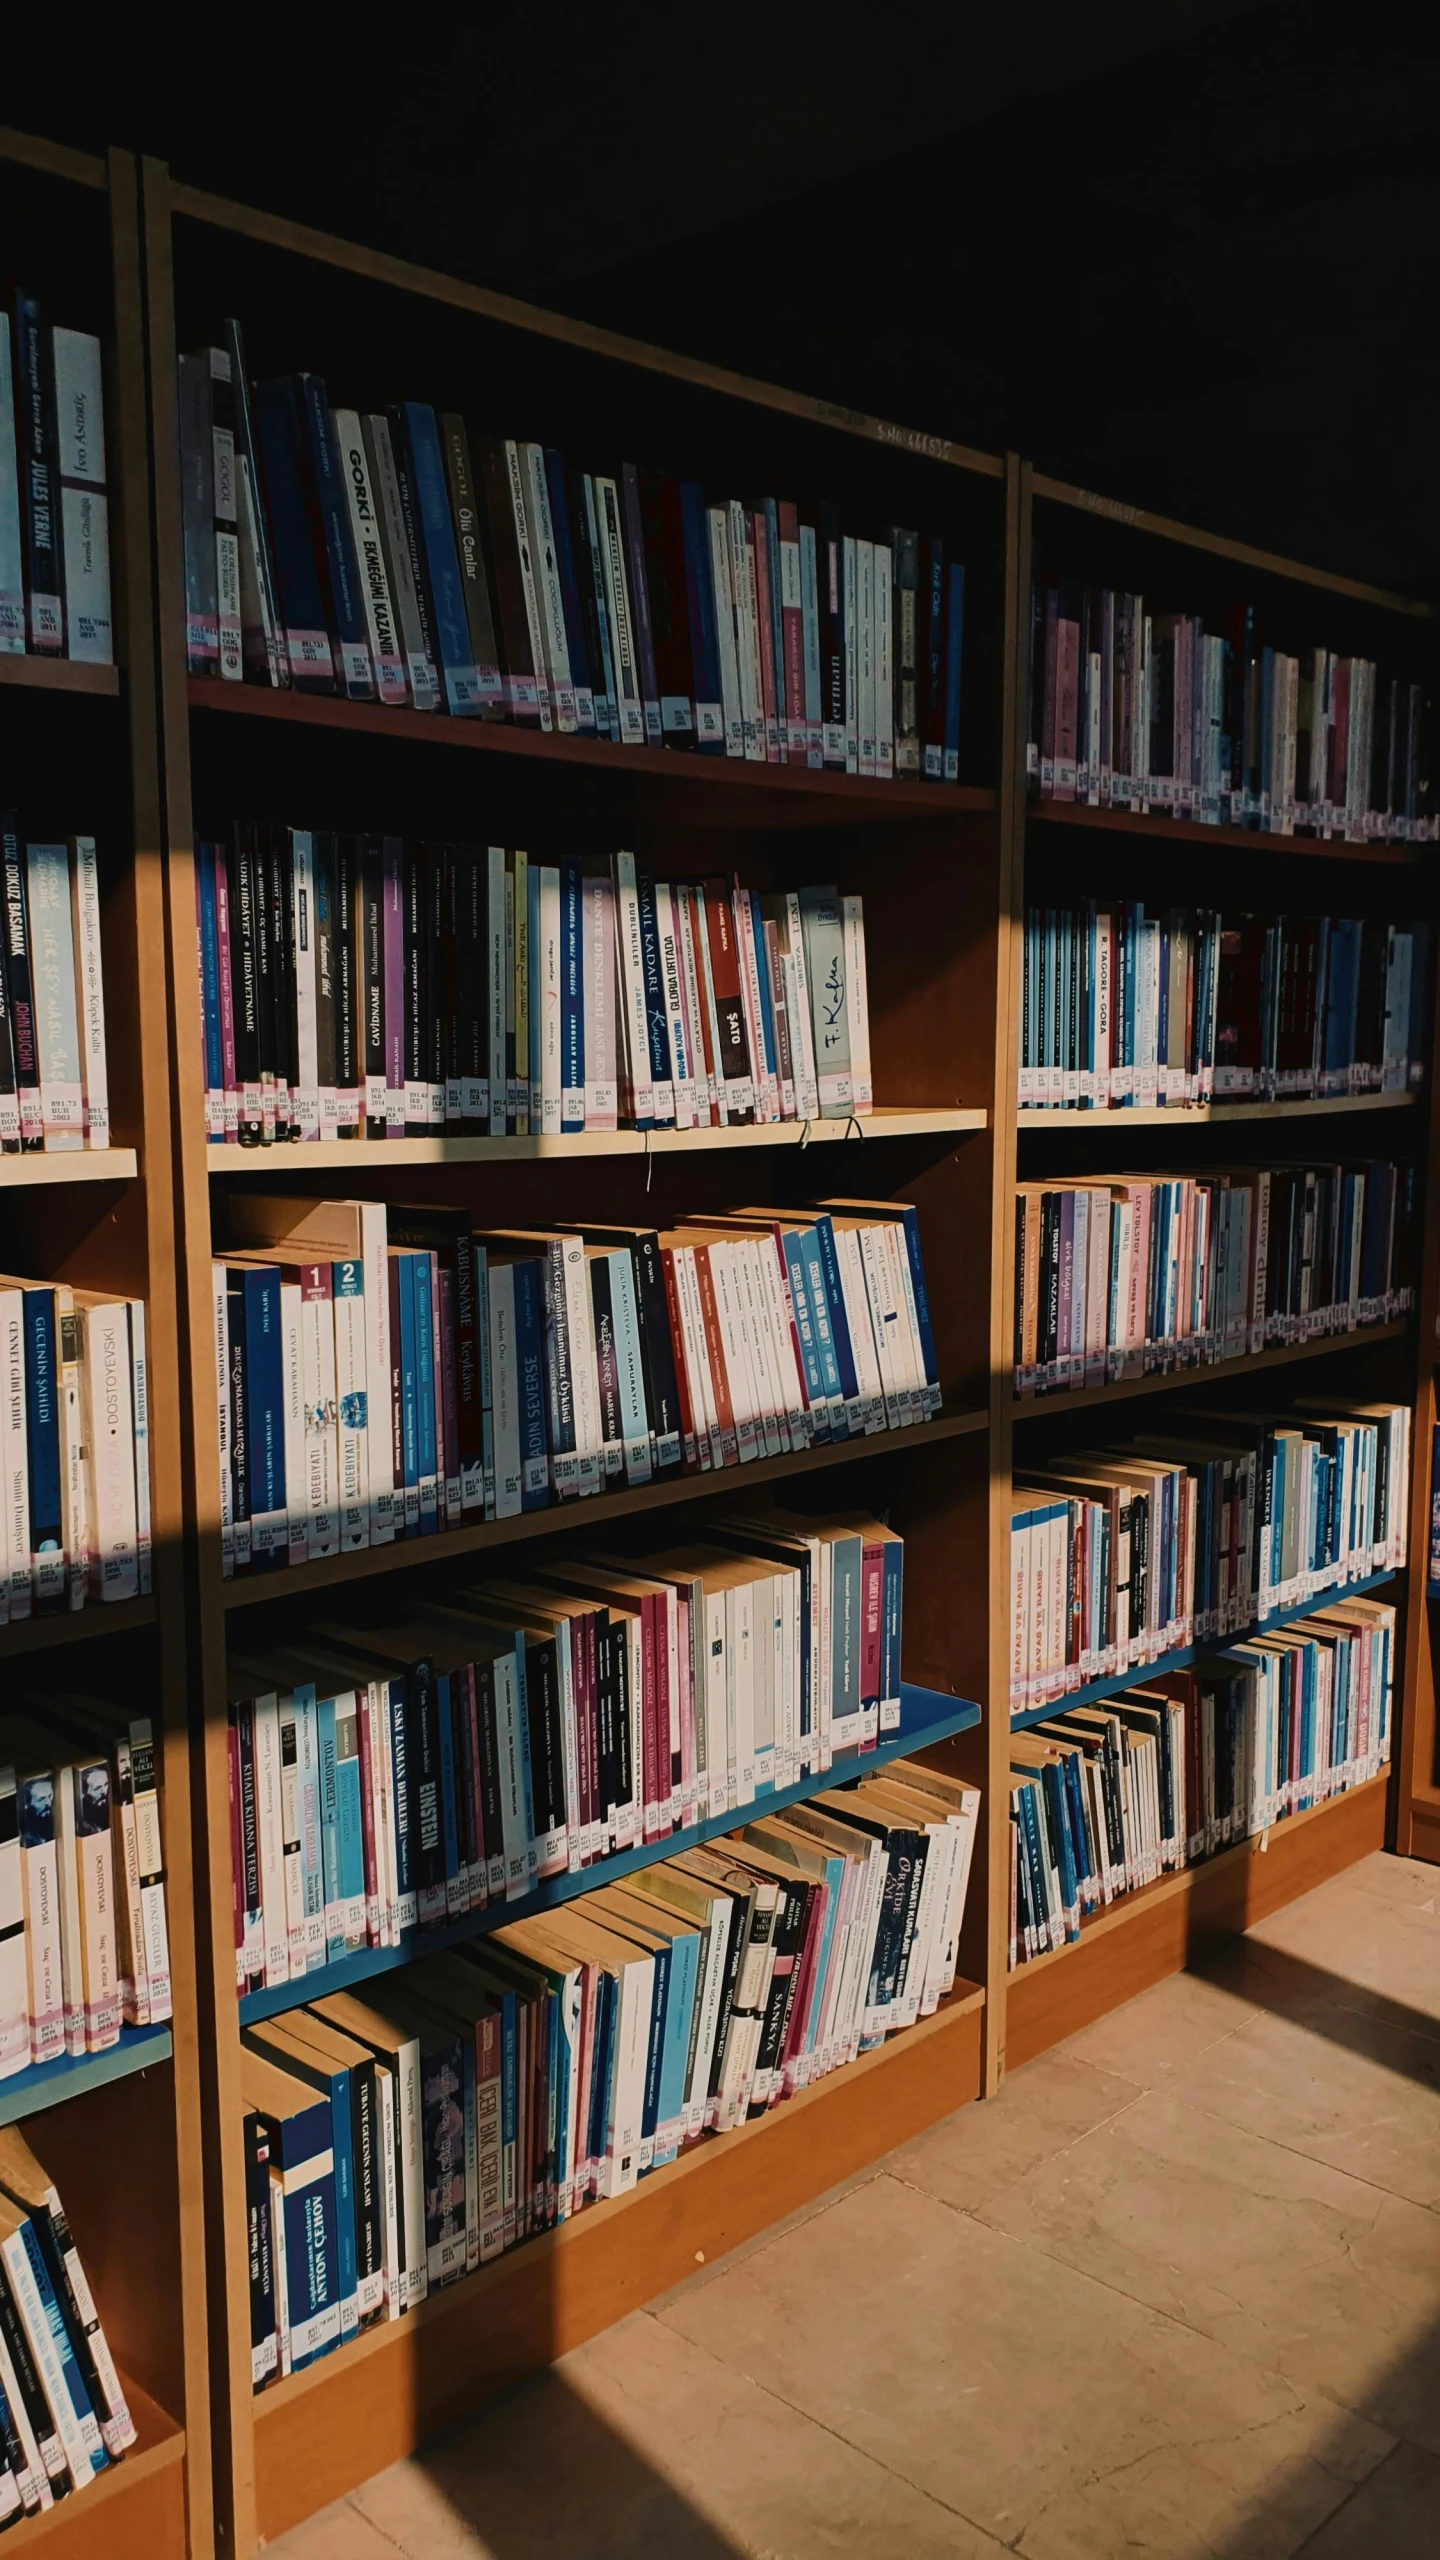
[(1185, 253)]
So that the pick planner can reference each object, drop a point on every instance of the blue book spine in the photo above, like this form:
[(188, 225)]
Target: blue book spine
[(650, 2107), (675, 2052), (704, 631), (210, 993), (456, 1901), (583, 677), (409, 1407), (954, 645), (655, 1016), (402, 1775), (86, 2421), (442, 564), (824, 1235), (265, 1418), (421, 1278), (572, 998), (825, 1350), (530, 1361), (350, 1828), (342, 2144), (817, 1393), (302, 601), (910, 1228), (42, 1436), (357, 675)]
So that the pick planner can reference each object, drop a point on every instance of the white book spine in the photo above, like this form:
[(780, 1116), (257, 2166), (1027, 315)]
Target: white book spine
[(80, 2438), (865, 655), (851, 643), (109, 1434), (640, 1095), (292, 1380), (379, 1438), (857, 1005), (85, 924), (140, 1407), (598, 954), (14, 1979), (386, 647), (306, 1101), (681, 1061), (351, 1403), (53, 993), (718, 531), (549, 601), (15, 1558), (683, 899), (630, 707), (747, 645), (884, 655), (72, 1953), (524, 535)]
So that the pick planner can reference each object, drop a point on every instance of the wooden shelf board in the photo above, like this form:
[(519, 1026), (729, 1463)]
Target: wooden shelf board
[(1115, 1684), (72, 2075), (851, 798), (320, 2432), (563, 1519), (82, 1164), (1189, 831), (1148, 1935), (134, 2511), (343, 1154), (58, 675), (927, 1717), (1425, 1825), (72, 1626), (1196, 1115), (1067, 493), (1281, 1355)]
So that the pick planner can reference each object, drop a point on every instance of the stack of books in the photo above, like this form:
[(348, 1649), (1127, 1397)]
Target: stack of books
[(396, 2142), (63, 2414), (391, 1372), (395, 1778), (364, 987), (1204, 1532), (53, 1090), (1120, 1009), (74, 1447), (1198, 716), (1126, 1274), (84, 1947), (1109, 1797), (386, 559), (54, 515)]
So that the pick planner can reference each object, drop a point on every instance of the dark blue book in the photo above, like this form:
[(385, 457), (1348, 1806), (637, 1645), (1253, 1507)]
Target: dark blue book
[(422, 1728), (586, 677), (263, 1390), (839, 1325), (331, 506), (572, 998), (449, 1792), (431, 502), (704, 630), (531, 1397), (298, 566), (403, 1355), (42, 1434), (422, 1270), (210, 991), (334, 2087), (298, 2123), (259, 2252), (954, 648)]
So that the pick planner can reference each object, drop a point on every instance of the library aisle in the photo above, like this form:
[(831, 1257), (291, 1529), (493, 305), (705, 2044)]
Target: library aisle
[(1176, 2291)]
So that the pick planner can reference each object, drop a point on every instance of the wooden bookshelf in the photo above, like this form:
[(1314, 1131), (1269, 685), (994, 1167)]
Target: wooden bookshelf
[(265, 1163), (1281, 1355), (1213, 1115), (120, 2131), (1195, 837)]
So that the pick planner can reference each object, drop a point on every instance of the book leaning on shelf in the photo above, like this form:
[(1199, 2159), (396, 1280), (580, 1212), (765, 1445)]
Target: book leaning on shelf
[(1120, 1557), (389, 1779), (1126, 1275), (365, 987), (1120, 1008), (1133, 709), (63, 2412), (54, 513), (84, 1947), (386, 1373), (1107, 1797), (397, 2140), (53, 1089), (390, 558), (74, 1449)]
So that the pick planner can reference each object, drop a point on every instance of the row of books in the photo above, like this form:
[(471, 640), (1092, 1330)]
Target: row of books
[(1107, 1798), (390, 1372), (53, 1088), (1125, 1274), (74, 1449), (1135, 709), (385, 558), (1187, 1537), (84, 1947), (54, 513), (1121, 1008), (392, 1779), (365, 987), (396, 2143), (63, 2413)]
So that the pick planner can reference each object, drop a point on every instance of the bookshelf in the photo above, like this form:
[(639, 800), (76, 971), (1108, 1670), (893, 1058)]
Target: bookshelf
[(928, 861), (118, 2131)]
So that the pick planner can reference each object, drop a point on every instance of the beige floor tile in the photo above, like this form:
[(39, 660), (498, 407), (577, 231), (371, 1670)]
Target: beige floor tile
[(1361, 2095), (337, 2533), (1152, 2038), (1050, 2410), (1365, 1941), (641, 2447), (1279, 2258), (1038, 2111), (1411, 1884), (1394, 2515)]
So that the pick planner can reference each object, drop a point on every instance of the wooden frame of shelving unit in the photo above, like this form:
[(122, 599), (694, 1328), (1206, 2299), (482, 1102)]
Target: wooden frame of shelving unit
[(932, 859), (120, 2131)]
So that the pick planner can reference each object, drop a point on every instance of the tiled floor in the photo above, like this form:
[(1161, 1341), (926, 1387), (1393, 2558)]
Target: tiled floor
[(1175, 2292)]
